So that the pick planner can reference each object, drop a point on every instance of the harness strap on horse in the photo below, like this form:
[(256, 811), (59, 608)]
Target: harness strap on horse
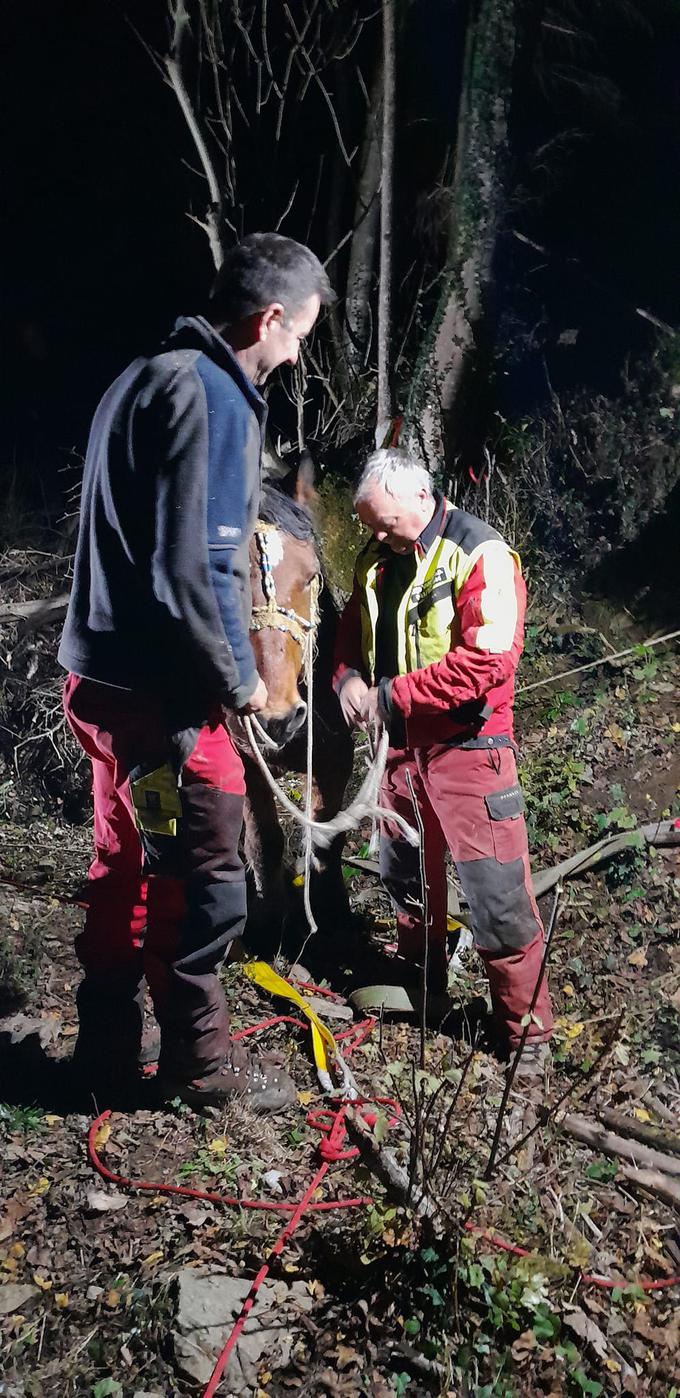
[(272, 616)]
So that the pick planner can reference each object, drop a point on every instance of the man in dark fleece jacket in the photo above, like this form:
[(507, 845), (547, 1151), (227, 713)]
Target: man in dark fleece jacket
[(157, 646)]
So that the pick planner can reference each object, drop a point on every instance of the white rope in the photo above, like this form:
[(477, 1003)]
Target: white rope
[(364, 805), (309, 681)]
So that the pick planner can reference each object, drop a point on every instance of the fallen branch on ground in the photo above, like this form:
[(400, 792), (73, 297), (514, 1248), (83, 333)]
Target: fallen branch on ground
[(654, 1182), (33, 615), (643, 1131), (604, 660), (591, 1133), (658, 833), (381, 1161)]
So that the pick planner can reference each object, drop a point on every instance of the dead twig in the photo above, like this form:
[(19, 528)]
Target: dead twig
[(641, 1130), (547, 1114), (382, 1162), (593, 1134), (654, 1182), (35, 614), (604, 660)]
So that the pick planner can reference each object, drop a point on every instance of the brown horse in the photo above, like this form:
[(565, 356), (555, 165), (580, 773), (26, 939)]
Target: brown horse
[(288, 602)]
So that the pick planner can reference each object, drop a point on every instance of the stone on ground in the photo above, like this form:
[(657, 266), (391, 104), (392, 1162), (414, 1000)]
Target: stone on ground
[(208, 1304)]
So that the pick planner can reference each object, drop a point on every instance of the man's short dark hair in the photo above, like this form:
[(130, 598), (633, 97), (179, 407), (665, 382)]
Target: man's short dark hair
[(266, 267)]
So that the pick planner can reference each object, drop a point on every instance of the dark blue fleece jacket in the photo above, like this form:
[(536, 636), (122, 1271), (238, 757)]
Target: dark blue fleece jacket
[(161, 595)]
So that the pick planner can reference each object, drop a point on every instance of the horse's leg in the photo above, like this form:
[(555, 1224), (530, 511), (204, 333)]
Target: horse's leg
[(263, 845)]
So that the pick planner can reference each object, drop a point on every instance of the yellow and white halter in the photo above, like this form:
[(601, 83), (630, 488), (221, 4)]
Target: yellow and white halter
[(272, 616)]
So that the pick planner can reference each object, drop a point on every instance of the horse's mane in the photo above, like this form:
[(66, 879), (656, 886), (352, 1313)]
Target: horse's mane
[(277, 508)]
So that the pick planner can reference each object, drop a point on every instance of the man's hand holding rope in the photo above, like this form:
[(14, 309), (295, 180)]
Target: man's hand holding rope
[(351, 696)]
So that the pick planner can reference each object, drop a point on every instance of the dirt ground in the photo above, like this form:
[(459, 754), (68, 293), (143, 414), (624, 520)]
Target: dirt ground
[(89, 1270)]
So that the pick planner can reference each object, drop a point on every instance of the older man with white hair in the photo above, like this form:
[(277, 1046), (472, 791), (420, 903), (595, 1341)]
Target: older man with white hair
[(429, 643)]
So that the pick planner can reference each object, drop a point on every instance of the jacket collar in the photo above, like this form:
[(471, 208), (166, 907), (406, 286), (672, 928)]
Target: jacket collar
[(195, 332), (435, 526)]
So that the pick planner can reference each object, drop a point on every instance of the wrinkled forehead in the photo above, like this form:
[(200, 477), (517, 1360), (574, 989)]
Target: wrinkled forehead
[(377, 506)]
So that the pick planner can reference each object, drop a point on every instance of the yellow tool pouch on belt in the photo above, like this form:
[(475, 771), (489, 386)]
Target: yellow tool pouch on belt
[(156, 802)]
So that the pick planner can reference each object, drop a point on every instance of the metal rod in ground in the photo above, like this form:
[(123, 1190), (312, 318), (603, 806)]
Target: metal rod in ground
[(510, 1078), (425, 912)]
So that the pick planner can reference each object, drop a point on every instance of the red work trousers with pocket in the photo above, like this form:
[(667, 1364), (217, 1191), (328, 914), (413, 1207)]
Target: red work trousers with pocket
[(470, 801), (166, 890)]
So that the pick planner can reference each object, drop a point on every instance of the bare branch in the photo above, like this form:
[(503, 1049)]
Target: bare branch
[(175, 77), (288, 207)]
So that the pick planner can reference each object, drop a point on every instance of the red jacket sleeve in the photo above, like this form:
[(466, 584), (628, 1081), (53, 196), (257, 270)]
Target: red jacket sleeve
[(486, 640), (347, 658)]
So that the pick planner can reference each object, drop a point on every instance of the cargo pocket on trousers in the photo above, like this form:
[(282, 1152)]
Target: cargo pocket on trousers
[(156, 802), (508, 831)]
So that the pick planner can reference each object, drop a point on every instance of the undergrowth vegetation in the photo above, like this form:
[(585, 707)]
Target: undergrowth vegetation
[(401, 1304)]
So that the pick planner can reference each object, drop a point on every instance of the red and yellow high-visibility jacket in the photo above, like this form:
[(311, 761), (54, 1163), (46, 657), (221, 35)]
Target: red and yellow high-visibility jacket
[(459, 630)]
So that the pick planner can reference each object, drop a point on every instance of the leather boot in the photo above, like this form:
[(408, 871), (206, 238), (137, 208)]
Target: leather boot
[(257, 1080)]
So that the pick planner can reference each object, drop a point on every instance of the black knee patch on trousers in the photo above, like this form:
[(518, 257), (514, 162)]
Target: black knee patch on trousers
[(214, 873), (204, 855), (502, 916)]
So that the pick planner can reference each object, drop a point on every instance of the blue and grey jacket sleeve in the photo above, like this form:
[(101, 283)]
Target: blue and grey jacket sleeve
[(196, 590)]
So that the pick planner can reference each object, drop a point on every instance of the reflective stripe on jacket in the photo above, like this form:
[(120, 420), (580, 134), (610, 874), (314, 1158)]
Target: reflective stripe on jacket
[(459, 629)]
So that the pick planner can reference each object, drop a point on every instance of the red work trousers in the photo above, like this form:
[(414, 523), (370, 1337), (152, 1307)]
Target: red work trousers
[(469, 800), (166, 889)]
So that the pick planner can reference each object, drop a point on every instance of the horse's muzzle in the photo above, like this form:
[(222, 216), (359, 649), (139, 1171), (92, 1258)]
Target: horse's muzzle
[(281, 730)]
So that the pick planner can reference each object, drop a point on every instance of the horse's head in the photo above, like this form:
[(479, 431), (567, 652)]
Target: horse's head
[(284, 575)]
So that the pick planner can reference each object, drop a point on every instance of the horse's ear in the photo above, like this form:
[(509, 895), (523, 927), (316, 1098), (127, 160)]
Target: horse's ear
[(299, 484)]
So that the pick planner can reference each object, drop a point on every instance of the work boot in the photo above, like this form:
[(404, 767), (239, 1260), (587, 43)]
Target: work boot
[(258, 1080), (534, 1063)]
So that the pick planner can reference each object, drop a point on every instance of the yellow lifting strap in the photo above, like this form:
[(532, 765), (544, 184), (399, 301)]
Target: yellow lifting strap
[(323, 1043)]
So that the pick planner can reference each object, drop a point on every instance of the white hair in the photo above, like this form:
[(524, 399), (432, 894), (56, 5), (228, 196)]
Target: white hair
[(399, 474)]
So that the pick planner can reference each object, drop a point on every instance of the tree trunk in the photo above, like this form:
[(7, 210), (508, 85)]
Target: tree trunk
[(453, 348), (384, 411), (361, 269)]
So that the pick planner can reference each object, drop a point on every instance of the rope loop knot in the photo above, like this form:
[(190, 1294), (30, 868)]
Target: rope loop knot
[(332, 1127)]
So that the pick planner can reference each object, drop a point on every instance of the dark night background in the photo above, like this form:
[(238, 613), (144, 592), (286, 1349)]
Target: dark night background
[(100, 254)]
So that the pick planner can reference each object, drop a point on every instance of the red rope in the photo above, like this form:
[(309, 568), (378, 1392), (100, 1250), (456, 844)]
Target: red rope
[(316, 989), (32, 892), (586, 1278), (209, 1196), (330, 1123), (304, 1203)]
